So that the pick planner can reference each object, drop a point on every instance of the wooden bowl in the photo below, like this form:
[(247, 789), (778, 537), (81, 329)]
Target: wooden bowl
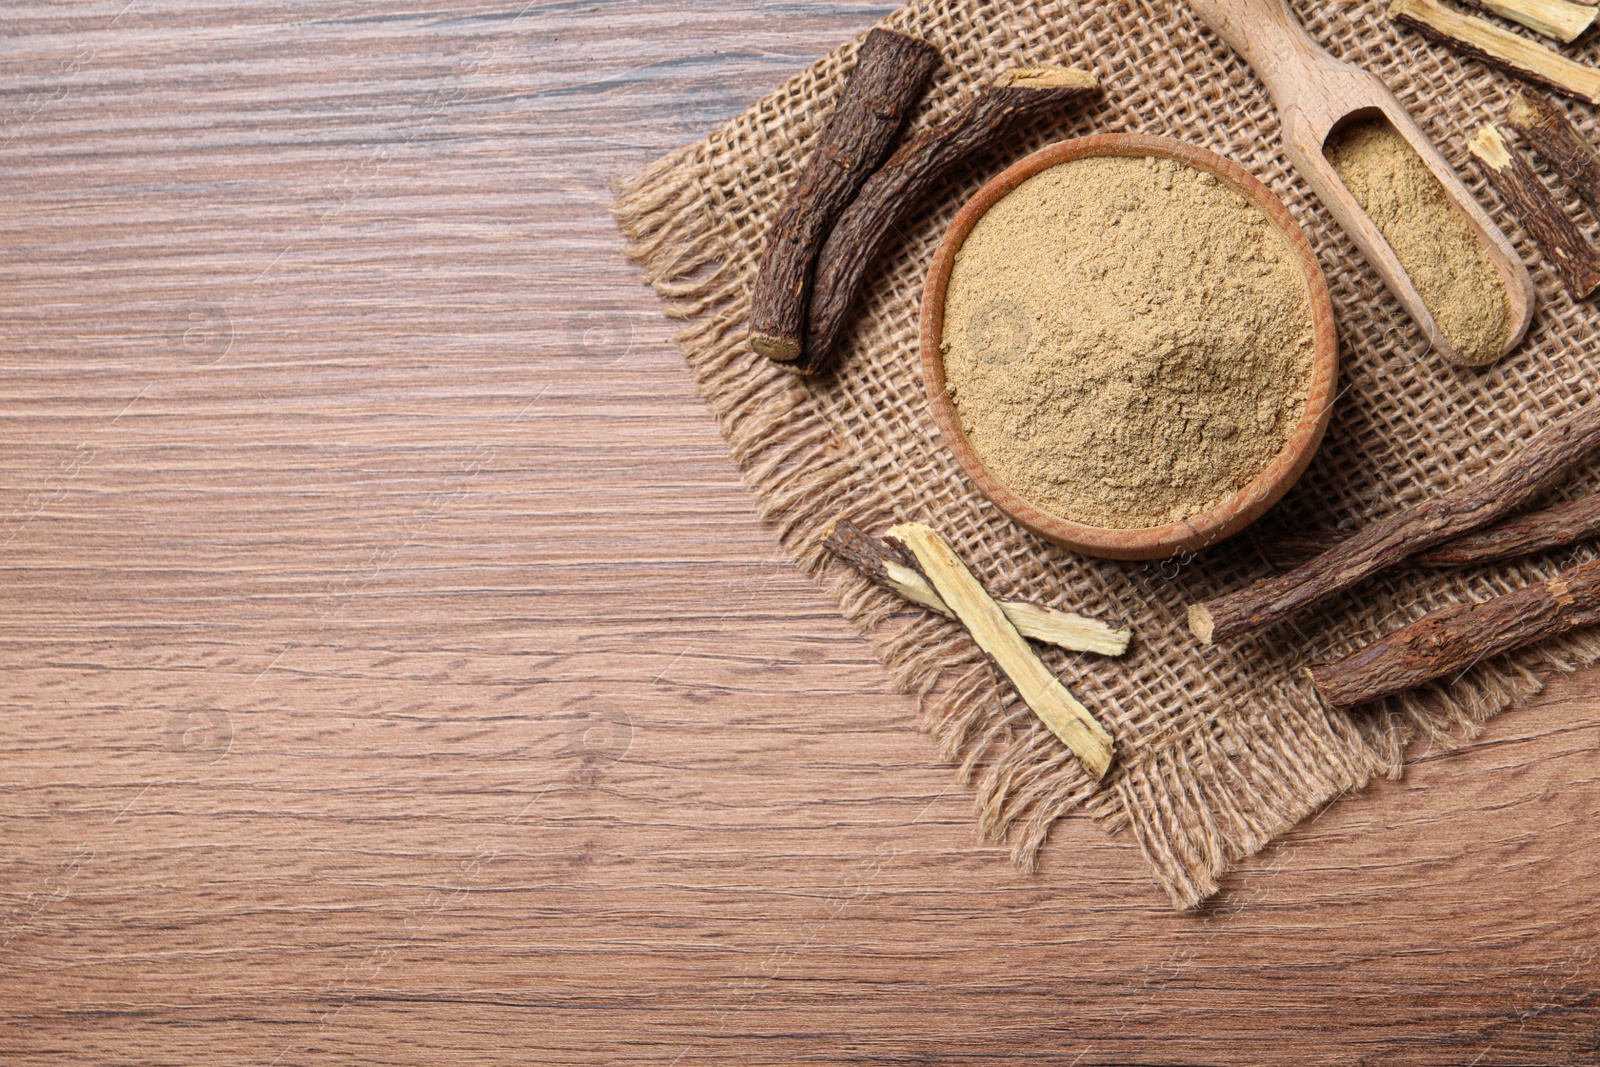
[(1208, 527)]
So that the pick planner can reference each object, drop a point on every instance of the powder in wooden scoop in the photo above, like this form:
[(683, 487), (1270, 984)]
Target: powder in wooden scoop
[(1127, 341), (1438, 248)]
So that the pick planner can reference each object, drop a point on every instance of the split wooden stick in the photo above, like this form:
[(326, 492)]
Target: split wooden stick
[(1553, 136), (1563, 244), (1454, 639), (890, 566), (900, 185), (1548, 528), (1556, 19), (890, 74), (1499, 47), (1471, 506), (1069, 720)]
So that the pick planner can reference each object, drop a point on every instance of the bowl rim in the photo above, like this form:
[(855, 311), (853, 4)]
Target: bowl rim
[(1206, 527)]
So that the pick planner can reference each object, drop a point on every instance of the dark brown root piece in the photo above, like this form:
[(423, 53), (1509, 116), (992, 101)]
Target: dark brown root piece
[(901, 183), (890, 73), (1471, 506), (1554, 137), (1557, 526), (1452, 640), (1564, 246)]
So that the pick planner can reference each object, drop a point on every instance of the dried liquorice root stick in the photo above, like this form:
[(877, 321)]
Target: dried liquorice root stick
[(1499, 47), (1563, 244), (1556, 19), (891, 71), (900, 184), (1517, 480), (890, 566), (1557, 526), (1554, 137), (1069, 720), (1453, 639), (1283, 552), (1538, 531)]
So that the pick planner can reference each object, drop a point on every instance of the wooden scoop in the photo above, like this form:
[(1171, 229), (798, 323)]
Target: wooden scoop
[(1314, 94)]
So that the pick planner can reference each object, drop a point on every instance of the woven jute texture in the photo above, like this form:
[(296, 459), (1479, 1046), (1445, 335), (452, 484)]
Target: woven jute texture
[(1218, 750)]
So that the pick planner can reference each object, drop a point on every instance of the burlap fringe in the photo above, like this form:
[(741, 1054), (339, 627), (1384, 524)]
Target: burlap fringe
[(1193, 839), (800, 475)]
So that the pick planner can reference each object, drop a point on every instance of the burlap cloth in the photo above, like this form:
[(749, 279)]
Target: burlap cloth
[(1218, 750)]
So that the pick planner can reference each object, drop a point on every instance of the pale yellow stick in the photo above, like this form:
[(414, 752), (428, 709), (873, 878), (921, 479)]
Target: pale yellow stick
[(1556, 19), (1064, 629), (996, 635)]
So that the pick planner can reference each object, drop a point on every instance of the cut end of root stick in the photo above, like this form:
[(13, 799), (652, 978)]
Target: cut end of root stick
[(1489, 146), (777, 349), (1046, 78), (1521, 114), (1200, 622)]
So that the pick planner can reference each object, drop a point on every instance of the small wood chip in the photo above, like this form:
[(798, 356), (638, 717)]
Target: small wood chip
[(998, 637)]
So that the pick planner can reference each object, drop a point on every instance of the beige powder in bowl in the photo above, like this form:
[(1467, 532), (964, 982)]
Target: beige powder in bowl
[(1127, 341)]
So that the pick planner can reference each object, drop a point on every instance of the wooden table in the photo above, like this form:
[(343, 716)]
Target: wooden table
[(395, 673)]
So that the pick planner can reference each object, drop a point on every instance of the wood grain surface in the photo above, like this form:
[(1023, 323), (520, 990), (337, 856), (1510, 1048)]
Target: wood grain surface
[(393, 671)]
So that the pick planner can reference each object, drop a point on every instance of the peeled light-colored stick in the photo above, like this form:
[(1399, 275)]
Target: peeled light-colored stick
[(1065, 629), (1040, 690), (884, 564), (1556, 19), (1499, 47)]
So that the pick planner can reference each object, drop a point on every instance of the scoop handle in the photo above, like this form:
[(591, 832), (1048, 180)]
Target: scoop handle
[(1272, 41)]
